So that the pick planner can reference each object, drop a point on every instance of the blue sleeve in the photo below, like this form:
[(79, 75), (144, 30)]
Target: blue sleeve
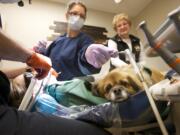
[(52, 45), (48, 50)]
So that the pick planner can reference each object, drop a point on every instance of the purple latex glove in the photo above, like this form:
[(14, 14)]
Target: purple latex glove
[(40, 47), (98, 54)]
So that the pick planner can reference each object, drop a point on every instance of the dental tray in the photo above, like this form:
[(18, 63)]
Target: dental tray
[(166, 90)]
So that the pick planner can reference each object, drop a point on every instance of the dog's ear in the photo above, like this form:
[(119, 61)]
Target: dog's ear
[(94, 89), (88, 85), (136, 84)]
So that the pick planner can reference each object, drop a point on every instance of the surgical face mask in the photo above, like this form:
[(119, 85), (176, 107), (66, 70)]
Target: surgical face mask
[(75, 22)]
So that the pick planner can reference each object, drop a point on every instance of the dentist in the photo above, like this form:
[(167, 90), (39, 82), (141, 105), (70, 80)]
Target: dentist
[(74, 54), (14, 122)]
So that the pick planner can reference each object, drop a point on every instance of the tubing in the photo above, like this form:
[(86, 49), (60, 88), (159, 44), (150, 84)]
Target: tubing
[(152, 103)]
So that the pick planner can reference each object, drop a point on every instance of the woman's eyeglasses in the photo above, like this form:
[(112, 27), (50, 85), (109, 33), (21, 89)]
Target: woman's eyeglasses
[(77, 14)]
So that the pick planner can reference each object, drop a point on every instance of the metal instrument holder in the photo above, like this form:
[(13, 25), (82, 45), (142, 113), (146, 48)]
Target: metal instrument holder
[(168, 56), (31, 93), (28, 95)]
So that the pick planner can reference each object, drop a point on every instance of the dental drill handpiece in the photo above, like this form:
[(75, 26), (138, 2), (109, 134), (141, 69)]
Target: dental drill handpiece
[(169, 57)]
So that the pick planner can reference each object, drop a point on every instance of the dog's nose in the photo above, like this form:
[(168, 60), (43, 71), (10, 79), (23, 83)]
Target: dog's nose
[(117, 91)]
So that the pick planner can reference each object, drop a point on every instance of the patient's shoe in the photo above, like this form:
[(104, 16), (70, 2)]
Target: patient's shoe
[(168, 90)]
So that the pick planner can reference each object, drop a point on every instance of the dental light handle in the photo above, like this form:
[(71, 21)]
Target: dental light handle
[(170, 58), (151, 101)]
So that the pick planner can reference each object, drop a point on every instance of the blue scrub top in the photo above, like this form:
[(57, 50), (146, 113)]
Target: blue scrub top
[(67, 56)]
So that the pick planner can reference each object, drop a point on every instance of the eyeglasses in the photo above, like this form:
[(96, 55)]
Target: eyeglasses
[(77, 14)]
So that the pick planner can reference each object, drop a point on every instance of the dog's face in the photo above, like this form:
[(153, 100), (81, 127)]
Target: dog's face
[(117, 85)]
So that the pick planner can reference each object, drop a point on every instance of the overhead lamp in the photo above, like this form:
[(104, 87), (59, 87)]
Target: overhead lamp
[(21, 3), (117, 1), (9, 1)]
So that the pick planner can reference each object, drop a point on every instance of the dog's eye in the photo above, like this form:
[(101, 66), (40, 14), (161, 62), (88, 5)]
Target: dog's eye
[(108, 88), (124, 83)]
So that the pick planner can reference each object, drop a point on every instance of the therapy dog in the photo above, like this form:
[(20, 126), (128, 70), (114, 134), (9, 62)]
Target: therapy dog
[(119, 83)]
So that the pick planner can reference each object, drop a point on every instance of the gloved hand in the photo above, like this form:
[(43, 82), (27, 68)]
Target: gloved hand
[(40, 63), (40, 47), (54, 73), (98, 54)]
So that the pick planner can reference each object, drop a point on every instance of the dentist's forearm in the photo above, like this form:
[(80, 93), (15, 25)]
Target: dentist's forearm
[(11, 50)]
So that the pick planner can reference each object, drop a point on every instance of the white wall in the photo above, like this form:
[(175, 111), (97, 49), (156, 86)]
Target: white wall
[(154, 15), (30, 23)]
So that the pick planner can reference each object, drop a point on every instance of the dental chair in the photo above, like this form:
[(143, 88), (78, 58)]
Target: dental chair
[(138, 117), (135, 112)]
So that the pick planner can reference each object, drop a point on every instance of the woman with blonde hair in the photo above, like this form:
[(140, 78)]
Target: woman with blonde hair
[(124, 40)]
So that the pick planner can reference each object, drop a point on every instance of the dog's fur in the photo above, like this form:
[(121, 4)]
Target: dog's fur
[(119, 83)]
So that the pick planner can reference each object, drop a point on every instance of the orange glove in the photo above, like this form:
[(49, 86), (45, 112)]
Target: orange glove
[(54, 73), (40, 64)]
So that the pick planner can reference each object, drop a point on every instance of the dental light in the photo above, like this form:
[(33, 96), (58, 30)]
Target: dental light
[(19, 2), (117, 1), (9, 1)]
